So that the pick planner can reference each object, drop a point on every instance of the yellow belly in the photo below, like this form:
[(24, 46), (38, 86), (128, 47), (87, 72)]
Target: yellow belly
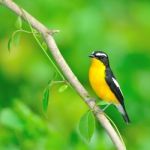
[(98, 83)]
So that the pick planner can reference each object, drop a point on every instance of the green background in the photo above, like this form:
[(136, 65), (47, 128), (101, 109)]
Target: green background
[(120, 28)]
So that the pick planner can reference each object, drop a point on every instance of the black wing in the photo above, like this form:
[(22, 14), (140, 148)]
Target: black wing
[(114, 86)]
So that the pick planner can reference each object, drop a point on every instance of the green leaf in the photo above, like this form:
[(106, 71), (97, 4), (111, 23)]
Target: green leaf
[(45, 99), (9, 43), (87, 125), (16, 38), (63, 88), (18, 23)]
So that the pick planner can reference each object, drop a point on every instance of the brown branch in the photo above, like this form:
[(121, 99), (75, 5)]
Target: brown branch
[(47, 35)]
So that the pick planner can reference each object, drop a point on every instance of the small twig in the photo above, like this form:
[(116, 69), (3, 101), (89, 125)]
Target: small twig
[(72, 79)]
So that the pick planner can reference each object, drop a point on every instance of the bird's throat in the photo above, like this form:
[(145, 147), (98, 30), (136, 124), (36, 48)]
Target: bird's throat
[(97, 64)]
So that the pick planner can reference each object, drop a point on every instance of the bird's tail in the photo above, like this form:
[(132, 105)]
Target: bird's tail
[(123, 112)]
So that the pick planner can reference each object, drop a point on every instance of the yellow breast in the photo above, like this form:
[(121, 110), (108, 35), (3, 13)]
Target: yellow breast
[(98, 82)]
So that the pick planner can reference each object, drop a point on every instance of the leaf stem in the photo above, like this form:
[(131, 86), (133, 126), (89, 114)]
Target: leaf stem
[(112, 122), (44, 51)]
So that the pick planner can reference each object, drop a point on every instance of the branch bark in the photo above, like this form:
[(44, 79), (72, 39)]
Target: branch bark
[(66, 70)]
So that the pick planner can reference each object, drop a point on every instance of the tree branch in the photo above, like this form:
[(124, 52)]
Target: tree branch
[(47, 35)]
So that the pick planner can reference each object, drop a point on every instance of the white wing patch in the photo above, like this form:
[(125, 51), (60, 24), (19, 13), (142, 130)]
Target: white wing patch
[(120, 108), (117, 84)]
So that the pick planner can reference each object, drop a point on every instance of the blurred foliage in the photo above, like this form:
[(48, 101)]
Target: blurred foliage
[(120, 28)]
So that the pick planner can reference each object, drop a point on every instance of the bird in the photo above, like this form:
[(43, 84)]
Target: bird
[(105, 84)]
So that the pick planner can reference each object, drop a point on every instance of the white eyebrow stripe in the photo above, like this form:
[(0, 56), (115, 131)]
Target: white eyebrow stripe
[(117, 84), (100, 54)]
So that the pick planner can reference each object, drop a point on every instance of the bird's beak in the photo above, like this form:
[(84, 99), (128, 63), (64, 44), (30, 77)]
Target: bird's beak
[(92, 56)]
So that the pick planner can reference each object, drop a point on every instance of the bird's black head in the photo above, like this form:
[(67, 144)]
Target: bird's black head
[(103, 57)]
